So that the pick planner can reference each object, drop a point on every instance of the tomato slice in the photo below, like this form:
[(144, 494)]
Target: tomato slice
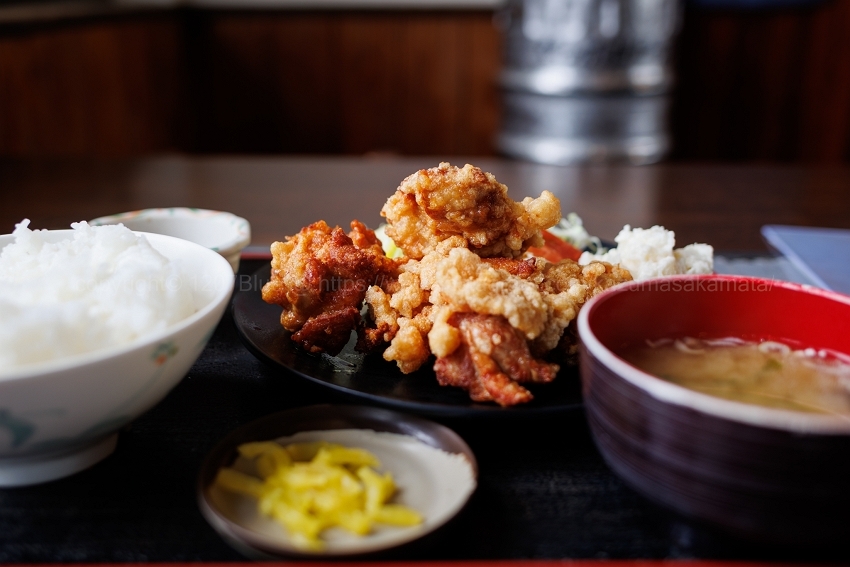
[(554, 249)]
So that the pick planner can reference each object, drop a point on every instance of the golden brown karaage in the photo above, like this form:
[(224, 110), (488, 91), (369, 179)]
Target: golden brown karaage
[(445, 201), (465, 291)]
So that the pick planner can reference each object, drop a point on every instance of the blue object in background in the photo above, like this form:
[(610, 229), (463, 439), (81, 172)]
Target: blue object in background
[(755, 4), (822, 254)]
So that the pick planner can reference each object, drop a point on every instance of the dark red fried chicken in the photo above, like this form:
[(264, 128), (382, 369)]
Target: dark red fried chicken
[(320, 277), (491, 361)]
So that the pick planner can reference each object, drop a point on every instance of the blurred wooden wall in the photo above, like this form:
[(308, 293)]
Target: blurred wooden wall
[(355, 82), (268, 82), (764, 84), (103, 87), (758, 85)]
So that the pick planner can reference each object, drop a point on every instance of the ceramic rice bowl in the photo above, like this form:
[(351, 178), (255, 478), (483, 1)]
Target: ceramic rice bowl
[(61, 416)]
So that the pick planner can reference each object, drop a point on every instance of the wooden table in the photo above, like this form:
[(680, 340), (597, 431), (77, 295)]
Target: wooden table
[(544, 491), (723, 205)]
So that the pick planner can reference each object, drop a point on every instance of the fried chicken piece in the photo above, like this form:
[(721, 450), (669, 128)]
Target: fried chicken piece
[(320, 277), (468, 283), (538, 298), (524, 268), (397, 313), (491, 361), (494, 337), (409, 347), (437, 203), (383, 321), (580, 284), (595, 276), (328, 332), (452, 277), (480, 377), (461, 281), (458, 370)]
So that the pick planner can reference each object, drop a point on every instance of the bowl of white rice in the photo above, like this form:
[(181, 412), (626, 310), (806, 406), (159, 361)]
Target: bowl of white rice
[(97, 325)]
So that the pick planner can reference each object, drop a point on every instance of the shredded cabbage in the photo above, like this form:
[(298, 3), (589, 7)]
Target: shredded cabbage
[(571, 229), (390, 249)]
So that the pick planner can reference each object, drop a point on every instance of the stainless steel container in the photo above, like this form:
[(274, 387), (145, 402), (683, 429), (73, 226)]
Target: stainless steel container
[(587, 80)]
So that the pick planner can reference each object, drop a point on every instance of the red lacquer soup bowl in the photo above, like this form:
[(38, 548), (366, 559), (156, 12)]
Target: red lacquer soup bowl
[(760, 472)]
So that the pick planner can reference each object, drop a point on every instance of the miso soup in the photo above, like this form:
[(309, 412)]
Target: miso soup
[(768, 373)]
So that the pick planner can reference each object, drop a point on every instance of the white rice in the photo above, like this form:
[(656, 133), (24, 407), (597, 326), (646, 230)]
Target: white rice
[(651, 252), (104, 287)]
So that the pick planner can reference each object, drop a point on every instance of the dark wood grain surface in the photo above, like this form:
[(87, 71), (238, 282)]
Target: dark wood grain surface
[(723, 205)]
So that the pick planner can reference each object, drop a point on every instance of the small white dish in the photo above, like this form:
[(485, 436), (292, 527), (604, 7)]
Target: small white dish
[(434, 469), (220, 231)]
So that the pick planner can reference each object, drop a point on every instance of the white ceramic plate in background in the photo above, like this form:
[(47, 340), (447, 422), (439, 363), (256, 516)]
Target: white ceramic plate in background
[(220, 231)]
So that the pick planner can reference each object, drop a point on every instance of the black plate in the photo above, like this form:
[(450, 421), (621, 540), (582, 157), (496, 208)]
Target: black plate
[(372, 379)]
